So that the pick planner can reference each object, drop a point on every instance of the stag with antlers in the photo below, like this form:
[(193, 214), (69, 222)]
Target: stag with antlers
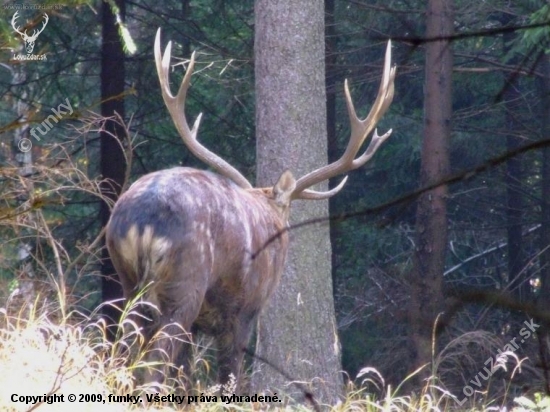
[(185, 238)]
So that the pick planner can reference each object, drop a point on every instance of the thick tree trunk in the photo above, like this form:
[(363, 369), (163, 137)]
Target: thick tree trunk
[(113, 165), (330, 87), (297, 331), (431, 216)]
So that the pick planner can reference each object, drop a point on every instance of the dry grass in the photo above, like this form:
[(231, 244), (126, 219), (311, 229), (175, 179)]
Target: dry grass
[(45, 357), (39, 356)]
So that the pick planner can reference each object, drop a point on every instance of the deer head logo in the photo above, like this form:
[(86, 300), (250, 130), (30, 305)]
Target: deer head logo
[(29, 40)]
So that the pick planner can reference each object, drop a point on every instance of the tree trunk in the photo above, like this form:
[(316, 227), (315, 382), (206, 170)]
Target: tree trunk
[(113, 165), (513, 178), (297, 332), (544, 239), (332, 140), (185, 23), (22, 145), (431, 215), (544, 298)]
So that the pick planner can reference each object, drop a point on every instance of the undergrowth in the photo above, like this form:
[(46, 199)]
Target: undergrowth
[(46, 355)]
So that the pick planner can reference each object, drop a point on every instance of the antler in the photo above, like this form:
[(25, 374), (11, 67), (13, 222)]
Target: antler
[(35, 33), (176, 107), (44, 23), (13, 23), (360, 129)]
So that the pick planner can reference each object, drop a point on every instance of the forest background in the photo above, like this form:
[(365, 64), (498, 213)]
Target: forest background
[(472, 271)]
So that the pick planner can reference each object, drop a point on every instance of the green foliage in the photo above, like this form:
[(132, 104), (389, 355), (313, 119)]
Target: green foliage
[(538, 36), (540, 403)]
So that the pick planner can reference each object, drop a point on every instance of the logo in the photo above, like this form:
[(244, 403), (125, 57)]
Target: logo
[(29, 40)]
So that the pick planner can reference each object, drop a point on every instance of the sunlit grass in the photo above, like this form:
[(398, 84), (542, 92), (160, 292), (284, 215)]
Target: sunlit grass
[(42, 356), (38, 357)]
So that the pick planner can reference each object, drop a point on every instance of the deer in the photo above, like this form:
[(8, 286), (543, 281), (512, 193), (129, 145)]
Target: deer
[(207, 249), (29, 40)]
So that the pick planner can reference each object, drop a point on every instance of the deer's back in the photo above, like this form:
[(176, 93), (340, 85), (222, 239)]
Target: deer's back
[(182, 229)]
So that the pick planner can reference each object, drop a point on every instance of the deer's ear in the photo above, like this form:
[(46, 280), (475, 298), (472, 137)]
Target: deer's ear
[(283, 189)]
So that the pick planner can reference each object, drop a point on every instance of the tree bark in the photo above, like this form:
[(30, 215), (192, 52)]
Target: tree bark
[(21, 142), (544, 294), (544, 298), (431, 215), (330, 87), (297, 332), (514, 203), (113, 164)]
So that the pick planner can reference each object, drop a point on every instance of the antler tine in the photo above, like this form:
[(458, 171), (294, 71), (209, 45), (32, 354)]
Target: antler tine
[(44, 24), (320, 195), (360, 129), (163, 66), (379, 108), (176, 107), (14, 22)]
